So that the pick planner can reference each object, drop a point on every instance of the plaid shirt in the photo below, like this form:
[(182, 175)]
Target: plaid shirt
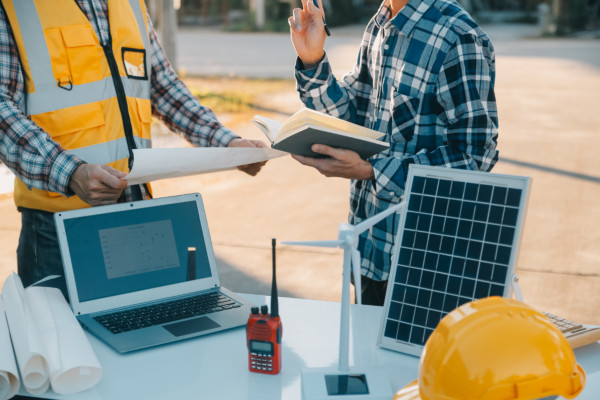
[(40, 162), (426, 80)]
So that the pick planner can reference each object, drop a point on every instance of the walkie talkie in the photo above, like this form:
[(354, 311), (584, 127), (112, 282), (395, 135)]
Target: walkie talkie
[(263, 334)]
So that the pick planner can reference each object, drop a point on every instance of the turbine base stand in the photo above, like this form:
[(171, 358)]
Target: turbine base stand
[(364, 383)]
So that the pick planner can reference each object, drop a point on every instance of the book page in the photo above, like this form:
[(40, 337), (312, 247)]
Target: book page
[(72, 363), (270, 127), (9, 376), (308, 116), (26, 340)]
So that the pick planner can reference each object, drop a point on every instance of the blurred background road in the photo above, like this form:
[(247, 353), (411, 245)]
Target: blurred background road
[(547, 91)]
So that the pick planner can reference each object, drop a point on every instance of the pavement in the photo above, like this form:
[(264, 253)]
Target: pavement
[(547, 93)]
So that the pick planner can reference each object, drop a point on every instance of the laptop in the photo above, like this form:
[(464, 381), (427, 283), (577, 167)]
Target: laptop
[(144, 273)]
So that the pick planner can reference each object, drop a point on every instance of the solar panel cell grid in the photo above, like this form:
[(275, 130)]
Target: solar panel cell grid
[(457, 242)]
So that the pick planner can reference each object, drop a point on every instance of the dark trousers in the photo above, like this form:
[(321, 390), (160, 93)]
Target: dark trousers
[(373, 292), (38, 254)]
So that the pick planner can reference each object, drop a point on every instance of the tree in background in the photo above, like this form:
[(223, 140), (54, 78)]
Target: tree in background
[(569, 15), (348, 12), (576, 15)]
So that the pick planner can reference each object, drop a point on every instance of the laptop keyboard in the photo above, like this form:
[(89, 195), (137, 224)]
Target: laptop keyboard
[(576, 334), (157, 314)]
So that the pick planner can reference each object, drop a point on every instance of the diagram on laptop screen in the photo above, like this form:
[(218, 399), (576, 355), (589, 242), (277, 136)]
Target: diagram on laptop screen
[(136, 249), (140, 248)]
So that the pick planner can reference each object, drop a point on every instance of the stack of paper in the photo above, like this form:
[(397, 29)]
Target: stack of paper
[(50, 346), (9, 377)]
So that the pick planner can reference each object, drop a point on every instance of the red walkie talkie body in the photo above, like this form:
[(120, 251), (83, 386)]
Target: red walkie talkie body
[(263, 334)]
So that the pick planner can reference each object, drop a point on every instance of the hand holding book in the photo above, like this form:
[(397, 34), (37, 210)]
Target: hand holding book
[(338, 163), (307, 127)]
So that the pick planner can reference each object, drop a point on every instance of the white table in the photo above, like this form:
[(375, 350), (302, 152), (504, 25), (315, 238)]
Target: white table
[(216, 366)]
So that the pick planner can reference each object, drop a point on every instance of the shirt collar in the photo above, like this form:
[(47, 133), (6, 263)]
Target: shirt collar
[(407, 18)]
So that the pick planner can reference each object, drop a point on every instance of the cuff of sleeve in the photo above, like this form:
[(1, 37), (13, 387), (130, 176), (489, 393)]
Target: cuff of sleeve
[(313, 77), (300, 65), (223, 137), (389, 187), (61, 170)]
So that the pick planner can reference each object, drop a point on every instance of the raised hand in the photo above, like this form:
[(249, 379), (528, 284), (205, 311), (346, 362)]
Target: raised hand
[(308, 32)]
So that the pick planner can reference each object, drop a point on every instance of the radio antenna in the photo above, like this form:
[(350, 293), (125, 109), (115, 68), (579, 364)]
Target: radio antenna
[(274, 299)]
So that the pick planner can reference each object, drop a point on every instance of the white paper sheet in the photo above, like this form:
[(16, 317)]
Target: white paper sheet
[(50, 346), (154, 164), (9, 376)]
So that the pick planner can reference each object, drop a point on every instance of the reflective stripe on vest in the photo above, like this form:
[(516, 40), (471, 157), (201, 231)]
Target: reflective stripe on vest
[(116, 149), (48, 96), (70, 92)]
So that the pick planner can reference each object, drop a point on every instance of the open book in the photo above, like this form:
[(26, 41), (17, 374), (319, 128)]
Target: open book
[(50, 346), (307, 127)]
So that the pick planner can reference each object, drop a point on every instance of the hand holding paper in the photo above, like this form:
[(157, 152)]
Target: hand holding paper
[(154, 164), (250, 169)]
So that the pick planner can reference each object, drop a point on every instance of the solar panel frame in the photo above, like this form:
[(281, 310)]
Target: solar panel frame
[(474, 248)]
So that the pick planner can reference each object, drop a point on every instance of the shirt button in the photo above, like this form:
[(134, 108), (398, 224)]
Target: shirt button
[(392, 193), (386, 47)]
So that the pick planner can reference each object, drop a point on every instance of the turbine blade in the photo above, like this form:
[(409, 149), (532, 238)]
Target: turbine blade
[(357, 275), (367, 223), (317, 243)]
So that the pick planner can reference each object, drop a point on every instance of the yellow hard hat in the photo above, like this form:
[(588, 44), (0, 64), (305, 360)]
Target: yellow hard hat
[(495, 349)]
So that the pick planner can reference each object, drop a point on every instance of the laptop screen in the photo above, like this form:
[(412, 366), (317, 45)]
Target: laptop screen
[(136, 249)]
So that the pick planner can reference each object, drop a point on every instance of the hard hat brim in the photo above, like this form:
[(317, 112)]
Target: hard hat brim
[(409, 392)]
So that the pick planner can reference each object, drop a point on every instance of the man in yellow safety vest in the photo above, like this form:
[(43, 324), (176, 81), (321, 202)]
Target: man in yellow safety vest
[(79, 84)]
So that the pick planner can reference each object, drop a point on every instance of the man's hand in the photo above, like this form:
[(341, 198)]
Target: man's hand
[(96, 184), (250, 169), (308, 32), (339, 163)]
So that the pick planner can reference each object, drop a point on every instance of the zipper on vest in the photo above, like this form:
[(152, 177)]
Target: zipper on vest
[(121, 98)]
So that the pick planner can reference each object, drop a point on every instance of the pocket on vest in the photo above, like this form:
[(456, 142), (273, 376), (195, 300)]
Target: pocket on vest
[(144, 121), (75, 54), (74, 127)]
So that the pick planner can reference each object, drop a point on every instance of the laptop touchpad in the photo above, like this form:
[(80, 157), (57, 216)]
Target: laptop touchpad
[(191, 326)]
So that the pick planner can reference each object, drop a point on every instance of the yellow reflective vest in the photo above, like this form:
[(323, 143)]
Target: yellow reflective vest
[(93, 100)]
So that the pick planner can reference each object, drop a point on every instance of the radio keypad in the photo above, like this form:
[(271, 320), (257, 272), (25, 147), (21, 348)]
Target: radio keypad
[(261, 361)]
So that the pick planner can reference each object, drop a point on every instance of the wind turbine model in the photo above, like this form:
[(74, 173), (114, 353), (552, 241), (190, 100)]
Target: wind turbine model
[(323, 383)]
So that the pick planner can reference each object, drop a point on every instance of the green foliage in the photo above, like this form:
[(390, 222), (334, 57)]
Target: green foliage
[(574, 15), (277, 14), (246, 25), (227, 101), (344, 12)]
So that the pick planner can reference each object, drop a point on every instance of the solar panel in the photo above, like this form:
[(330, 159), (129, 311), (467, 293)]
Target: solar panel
[(457, 241)]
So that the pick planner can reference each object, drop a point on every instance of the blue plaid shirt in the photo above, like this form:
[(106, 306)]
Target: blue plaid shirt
[(40, 162), (426, 80)]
